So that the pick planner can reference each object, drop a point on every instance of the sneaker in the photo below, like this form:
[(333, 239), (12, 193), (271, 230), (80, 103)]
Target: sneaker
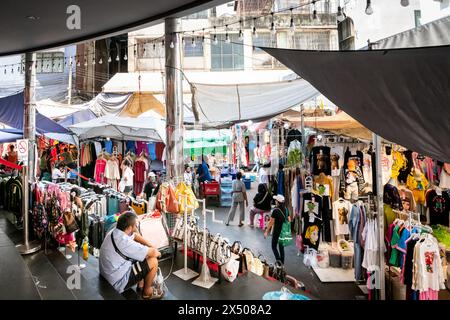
[(156, 295)]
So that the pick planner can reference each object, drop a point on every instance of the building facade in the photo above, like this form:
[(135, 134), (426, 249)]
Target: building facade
[(201, 53)]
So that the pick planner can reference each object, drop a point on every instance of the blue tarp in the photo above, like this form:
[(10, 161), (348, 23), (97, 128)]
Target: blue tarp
[(77, 117), (9, 137), (11, 114)]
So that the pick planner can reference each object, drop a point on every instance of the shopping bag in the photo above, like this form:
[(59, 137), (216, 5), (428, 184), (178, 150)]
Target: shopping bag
[(230, 270), (151, 203), (249, 260), (186, 198), (122, 186), (172, 205), (286, 233)]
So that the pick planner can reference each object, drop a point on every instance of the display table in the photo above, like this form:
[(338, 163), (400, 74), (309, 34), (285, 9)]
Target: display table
[(226, 187)]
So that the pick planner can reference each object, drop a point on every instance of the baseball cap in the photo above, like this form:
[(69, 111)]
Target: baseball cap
[(279, 198), (152, 174)]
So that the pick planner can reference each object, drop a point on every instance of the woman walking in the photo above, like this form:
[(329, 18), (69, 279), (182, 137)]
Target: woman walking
[(279, 216), (239, 195)]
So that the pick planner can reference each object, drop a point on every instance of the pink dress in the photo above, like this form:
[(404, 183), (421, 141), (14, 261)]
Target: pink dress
[(100, 166)]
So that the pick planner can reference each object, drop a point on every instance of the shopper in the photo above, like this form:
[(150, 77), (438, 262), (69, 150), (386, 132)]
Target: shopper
[(67, 159), (203, 172), (57, 172), (256, 159), (188, 179), (239, 197), (127, 259), (43, 164), (263, 176), (11, 156), (127, 178), (150, 185), (261, 202), (279, 216)]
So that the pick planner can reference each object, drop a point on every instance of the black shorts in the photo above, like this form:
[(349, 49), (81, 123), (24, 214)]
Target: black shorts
[(139, 270)]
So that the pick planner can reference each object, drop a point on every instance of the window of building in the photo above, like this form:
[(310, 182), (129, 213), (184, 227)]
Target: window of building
[(417, 16), (227, 56), (148, 49), (48, 62), (193, 51), (263, 40), (312, 40)]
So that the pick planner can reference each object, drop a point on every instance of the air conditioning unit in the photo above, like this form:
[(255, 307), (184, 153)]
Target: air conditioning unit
[(439, 1)]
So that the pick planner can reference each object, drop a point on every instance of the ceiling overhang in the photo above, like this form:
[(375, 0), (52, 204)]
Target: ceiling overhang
[(38, 25)]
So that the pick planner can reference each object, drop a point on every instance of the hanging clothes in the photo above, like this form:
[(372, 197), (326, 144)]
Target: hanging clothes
[(131, 146), (112, 173), (407, 271), (341, 214), (320, 160), (280, 182), (438, 204), (159, 149), (109, 146), (417, 183), (356, 227), (140, 168), (356, 155), (371, 260), (98, 148), (444, 178), (141, 146), (152, 150), (100, 166), (428, 274), (312, 206), (323, 185)]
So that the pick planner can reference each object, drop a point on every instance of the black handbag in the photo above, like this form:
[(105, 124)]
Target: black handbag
[(69, 222)]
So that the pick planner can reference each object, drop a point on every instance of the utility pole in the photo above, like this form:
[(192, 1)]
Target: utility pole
[(174, 98), (29, 132), (93, 72), (69, 87), (380, 277)]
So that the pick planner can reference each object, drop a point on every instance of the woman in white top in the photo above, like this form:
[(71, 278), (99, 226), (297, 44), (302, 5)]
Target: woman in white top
[(188, 177), (57, 173), (127, 177)]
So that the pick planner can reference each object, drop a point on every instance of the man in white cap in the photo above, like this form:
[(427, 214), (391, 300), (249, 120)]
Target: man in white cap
[(150, 185), (279, 216)]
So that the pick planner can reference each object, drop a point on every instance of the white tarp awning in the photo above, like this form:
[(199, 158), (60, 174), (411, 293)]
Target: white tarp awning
[(218, 105), (121, 128)]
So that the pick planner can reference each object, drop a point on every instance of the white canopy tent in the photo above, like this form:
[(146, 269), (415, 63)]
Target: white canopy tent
[(218, 105), (121, 128)]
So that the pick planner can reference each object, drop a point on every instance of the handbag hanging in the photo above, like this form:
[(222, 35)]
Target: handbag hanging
[(69, 222)]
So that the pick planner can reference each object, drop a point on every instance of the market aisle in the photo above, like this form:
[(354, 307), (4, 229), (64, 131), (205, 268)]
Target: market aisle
[(15, 277), (254, 239), (44, 275)]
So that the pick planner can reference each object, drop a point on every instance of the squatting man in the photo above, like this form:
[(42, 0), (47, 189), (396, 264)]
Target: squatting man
[(127, 259)]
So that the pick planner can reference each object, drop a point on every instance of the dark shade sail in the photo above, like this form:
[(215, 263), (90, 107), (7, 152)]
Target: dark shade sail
[(402, 95)]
